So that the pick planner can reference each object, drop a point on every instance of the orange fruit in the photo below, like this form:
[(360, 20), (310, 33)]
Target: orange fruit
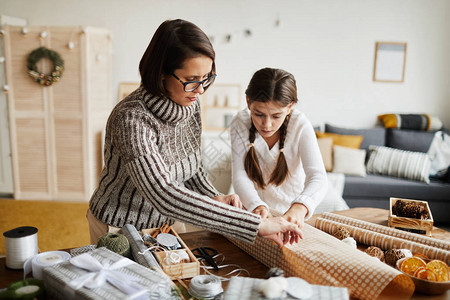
[(424, 273), (440, 268), (411, 264), (420, 255)]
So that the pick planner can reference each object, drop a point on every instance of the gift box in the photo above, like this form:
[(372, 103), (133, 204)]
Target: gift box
[(243, 288), (103, 274)]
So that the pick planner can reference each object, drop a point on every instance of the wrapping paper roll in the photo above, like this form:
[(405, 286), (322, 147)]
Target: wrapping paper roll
[(383, 241), (137, 245), (322, 259), (42, 260), (445, 245)]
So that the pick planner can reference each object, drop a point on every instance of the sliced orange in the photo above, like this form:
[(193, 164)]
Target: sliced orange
[(424, 273), (420, 255), (440, 268), (411, 264)]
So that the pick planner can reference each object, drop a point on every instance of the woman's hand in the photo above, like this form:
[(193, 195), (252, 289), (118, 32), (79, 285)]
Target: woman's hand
[(280, 231), (232, 200), (296, 214), (262, 211)]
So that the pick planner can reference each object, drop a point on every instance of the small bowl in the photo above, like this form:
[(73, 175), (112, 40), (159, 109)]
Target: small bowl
[(426, 286)]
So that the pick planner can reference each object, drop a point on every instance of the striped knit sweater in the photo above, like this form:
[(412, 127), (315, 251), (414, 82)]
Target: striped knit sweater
[(153, 172)]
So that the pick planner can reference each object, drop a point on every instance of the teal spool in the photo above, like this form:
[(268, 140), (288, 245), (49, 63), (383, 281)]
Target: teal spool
[(115, 242), (28, 289)]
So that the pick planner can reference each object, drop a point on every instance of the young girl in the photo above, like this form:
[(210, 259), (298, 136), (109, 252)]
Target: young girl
[(276, 160), (153, 171)]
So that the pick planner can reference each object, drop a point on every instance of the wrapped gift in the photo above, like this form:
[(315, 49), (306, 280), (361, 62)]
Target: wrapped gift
[(243, 288), (103, 274), (324, 260)]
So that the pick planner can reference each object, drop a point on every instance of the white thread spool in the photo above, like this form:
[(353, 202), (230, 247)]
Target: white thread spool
[(205, 286), (20, 244)]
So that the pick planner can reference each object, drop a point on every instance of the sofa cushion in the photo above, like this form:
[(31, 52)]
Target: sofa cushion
[(411, 121), (409, 140), (399, 163), (351, 141), (380, 186), (371, 136), (349, 161), (375, 191), (326, 149)]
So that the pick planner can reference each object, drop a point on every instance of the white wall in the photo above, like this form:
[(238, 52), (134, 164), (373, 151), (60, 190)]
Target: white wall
[(327, 44)]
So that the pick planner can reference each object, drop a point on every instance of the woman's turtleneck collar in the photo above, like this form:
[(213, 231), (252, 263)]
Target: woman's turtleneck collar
[(166, 109)]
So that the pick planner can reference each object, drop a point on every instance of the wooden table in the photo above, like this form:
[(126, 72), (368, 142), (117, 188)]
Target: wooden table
[(234, 255)]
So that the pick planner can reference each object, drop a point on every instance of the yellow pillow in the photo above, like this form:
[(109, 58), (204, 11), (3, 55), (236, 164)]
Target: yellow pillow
[(350, 141), (389, 120)]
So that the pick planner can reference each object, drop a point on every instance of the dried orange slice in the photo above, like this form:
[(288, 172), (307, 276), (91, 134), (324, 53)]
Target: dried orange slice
[(440, 268), (424, 273), (411, 264), (420, 255)]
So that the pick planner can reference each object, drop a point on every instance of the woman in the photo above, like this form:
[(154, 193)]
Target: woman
[(276, 160), (153, 172)]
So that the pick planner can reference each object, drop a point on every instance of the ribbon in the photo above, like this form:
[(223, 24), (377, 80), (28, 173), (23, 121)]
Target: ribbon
[(99, 273)]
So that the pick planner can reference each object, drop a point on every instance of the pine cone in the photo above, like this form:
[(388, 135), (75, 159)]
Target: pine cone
[(412, 210), (398, 207)]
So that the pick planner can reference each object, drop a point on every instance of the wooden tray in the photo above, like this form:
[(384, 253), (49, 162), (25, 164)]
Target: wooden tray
[(181, 270), (411, 224)]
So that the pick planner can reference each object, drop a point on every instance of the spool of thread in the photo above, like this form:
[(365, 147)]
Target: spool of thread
[(205, 286), (115, 242), (42, 260), (20, 244), (25, 290)]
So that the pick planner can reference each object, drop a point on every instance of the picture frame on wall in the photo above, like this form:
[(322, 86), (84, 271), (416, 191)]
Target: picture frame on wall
[(390, 62)]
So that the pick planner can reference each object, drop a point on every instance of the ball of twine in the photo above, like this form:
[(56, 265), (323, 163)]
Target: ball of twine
[(115, 242), (391, 256), (375, 252), (341, 233)]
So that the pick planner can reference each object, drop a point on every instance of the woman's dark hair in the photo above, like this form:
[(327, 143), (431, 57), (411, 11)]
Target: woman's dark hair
[(173, 42), (270, 85)]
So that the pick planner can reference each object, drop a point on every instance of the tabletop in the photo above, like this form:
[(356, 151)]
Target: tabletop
[(234, 255)]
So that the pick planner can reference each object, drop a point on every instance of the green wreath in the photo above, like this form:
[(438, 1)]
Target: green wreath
[(41, 78)]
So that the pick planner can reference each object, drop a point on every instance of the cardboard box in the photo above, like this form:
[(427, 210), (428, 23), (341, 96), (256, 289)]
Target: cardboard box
[(421, 226), (180, 270)]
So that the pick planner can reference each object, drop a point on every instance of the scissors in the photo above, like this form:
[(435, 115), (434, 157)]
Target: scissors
[(207, 254)]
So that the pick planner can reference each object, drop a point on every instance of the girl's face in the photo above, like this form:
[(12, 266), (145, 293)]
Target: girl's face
[(268, 116), (193, 69)]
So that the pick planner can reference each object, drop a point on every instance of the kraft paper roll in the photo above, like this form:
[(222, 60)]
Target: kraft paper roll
[(383, 241), (38, 262), (445, 245)]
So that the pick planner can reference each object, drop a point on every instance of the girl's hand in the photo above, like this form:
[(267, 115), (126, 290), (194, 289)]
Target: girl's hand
[(262, 211), (232, 200), (280, 231), (296, 214)]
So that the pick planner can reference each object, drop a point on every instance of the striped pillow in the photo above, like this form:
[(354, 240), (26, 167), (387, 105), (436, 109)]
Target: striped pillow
[(398, 163)]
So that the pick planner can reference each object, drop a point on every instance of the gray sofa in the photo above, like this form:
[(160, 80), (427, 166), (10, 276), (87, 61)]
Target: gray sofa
[(375, 190)]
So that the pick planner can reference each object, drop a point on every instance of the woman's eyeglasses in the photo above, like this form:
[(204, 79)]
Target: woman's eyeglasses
[(190, 86)]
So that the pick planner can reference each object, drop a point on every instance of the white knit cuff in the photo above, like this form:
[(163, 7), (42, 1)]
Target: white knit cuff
[(308, 202)]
